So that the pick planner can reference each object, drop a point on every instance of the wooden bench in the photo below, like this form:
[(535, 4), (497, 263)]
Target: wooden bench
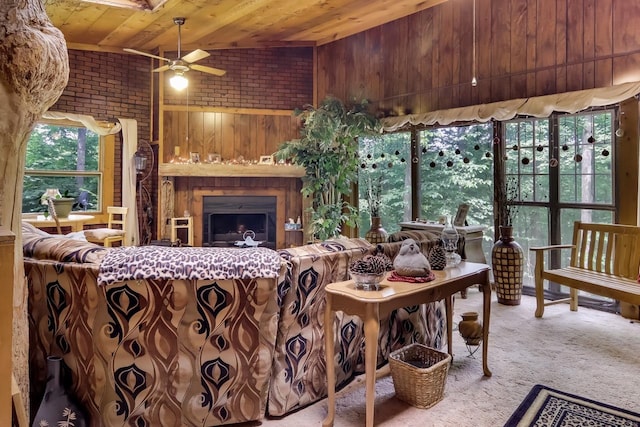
[(604, 261)]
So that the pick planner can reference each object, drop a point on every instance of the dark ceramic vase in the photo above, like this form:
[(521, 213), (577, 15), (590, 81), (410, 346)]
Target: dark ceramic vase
[(58, 408)]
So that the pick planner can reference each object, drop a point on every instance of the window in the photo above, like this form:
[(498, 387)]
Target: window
[(384, 169), (563, 167), (456, 168), (64, 157)]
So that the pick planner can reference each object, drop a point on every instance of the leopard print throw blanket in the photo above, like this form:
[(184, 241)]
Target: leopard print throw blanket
[(159, 262)]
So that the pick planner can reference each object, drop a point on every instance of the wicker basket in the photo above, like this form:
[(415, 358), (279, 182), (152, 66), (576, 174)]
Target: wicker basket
[(419, 374)]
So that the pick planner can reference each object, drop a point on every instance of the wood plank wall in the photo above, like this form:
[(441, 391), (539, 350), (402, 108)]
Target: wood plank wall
[(231, 133), (250, 134), (524, 48)]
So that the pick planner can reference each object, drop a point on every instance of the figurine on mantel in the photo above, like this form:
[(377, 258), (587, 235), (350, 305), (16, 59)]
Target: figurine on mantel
[(293, 225), (410, 261)]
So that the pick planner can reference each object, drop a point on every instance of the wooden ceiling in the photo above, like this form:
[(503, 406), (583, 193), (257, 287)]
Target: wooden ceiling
[(147, 25)]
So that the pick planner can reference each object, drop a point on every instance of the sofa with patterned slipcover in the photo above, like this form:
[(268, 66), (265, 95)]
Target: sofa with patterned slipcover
[(166, 346), (158, 336)]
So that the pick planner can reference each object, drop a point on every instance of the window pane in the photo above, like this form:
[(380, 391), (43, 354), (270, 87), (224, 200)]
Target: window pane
[(527, 158), (569, 216), (384, 166), (62, 148), (85, 189), (456, 167), (66, 158), (530, 229), (586, 173)]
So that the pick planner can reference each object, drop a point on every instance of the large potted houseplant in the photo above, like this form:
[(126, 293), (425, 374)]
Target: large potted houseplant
[(328, 150), (507, 256)]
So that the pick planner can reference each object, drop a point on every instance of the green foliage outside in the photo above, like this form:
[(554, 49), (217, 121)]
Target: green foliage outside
[(384, 163), (456, 168), (443, 186), (62, 157)]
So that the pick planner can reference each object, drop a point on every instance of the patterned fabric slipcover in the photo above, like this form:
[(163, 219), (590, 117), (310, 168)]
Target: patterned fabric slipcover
[(299, 369), (165, 352), (154, 352)]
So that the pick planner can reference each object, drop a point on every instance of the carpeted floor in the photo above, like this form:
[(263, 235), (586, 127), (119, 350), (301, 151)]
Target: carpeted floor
[(589, 353)]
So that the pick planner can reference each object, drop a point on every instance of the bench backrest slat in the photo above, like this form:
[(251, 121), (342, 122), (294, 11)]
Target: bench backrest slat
[(606, 248)]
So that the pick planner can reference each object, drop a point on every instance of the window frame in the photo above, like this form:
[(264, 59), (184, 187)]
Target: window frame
[(105, 171)]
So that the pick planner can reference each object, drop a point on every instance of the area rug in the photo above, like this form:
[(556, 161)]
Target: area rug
[(546, 407)]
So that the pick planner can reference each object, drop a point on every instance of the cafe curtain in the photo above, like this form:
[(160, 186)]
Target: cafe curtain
[(538, 106)]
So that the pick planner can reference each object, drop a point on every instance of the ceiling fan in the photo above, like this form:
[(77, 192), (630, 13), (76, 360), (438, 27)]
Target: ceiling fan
[(181, 65)]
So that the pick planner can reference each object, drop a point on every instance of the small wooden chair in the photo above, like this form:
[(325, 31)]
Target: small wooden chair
[(108, 236), (182, 223)]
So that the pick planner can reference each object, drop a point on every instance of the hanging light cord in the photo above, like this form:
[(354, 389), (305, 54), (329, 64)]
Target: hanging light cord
[(187, 139), (474, 81)]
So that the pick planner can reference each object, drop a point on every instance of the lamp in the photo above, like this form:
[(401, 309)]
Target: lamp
[(178, 81), (140, 162), (449, 238)]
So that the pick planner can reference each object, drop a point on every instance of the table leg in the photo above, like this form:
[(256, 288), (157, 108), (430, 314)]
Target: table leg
[(330, 360), (371, 332), (486, 313), (448, 306)]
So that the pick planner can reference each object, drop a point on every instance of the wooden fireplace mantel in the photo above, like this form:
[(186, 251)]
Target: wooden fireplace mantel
[(229, 170), (200, 193)]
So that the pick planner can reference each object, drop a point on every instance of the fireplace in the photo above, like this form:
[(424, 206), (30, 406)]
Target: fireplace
[(226, 219)]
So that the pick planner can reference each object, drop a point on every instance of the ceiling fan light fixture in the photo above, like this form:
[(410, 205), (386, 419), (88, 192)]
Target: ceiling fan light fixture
[(178, 81)]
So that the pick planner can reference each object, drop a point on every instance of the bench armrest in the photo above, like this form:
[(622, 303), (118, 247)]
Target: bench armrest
[(547, 248)]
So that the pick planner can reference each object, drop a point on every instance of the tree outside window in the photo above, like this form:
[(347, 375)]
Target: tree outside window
[(66, 158)]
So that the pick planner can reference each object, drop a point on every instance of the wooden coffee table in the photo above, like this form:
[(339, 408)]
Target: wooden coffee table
[(370, 306)]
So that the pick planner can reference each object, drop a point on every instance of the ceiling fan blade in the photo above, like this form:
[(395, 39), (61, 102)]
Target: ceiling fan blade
[(137, 52), (163, 68), (194, 56), (208, 70)]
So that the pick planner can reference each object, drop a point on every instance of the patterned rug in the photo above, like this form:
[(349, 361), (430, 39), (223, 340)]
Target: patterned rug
[(546, 407)]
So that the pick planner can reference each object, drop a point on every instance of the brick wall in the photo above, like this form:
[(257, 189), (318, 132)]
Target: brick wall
[(109, 86), (277, 78)]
